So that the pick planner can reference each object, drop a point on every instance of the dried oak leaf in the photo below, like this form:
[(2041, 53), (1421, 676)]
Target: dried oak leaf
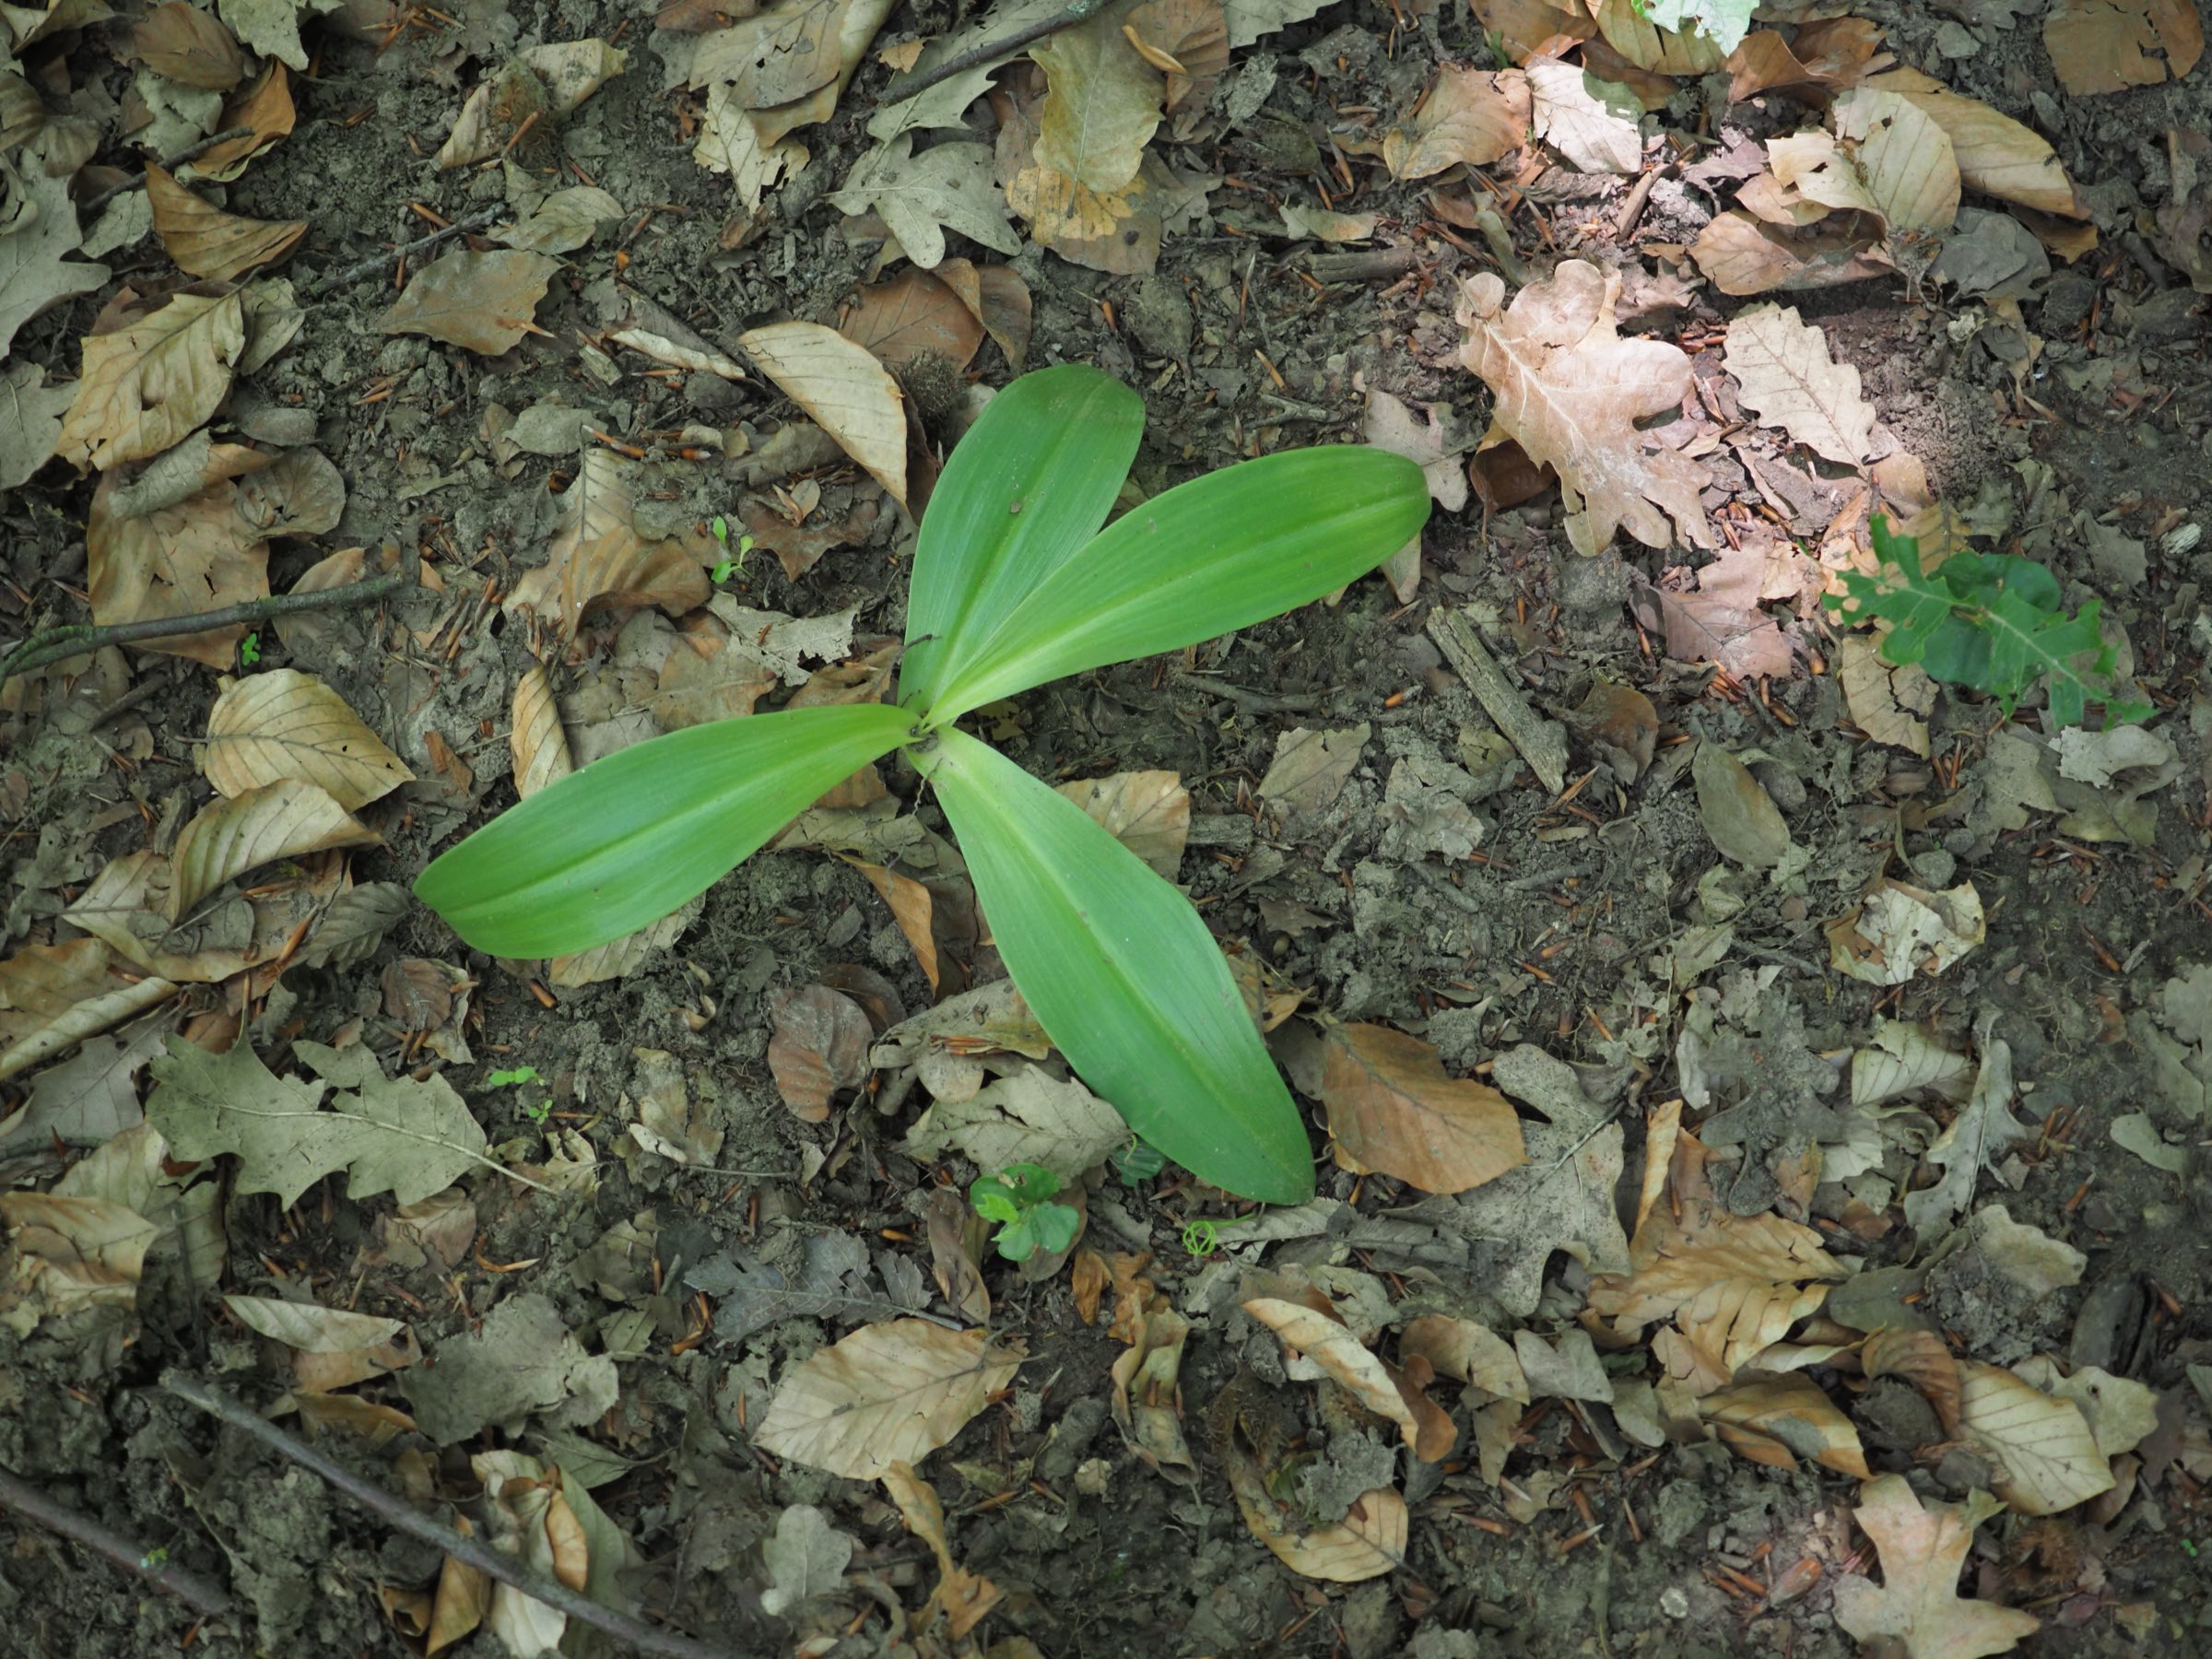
[(480, 302), (1790, 380), (1923, 1548), (1570, 391)]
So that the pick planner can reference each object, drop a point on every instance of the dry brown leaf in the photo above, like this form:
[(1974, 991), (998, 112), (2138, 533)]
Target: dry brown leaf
[(818, 1049), (285, 820), (946, 1222), (1570, 391), (65, 1256), (1391, 1108), (799, 548), (1996, 154), (464, 1596), (1829, 54), (206, 241), (598, 560), (1101, 106), (1470, 116), (483, 303), (540, 747), (1148, 812), (962, 1596), (1329, 1343), (1369, 1542), (1193, 34), (178, 561), (913, 909), (1921, 1358), (265, 107), (1586, 120), (2110, 45), (299, 493), (1903, 158), (2045, 1451), (1923, 1548), (778, 55), (918, 313), (1733, 1284), (1889, 704), (1722, 622), (1468, 1352), (285, 724), (1525, 26), (701, 681), (1790, 380), (1145, 1377), (189, 46), (889, 1393), (151, 381), (849, 393), (1003, 305), (1115, 232), (1777, 1421), (1662, 51), (1742, 256)]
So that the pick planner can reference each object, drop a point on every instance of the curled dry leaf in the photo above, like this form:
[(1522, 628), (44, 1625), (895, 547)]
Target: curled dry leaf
[(847, 392), (265, 109), (598, 561), (1570, 391), (962, 1596), (483, 303), (1330, 1343), (819, 1047), (889, 1393), (284, 724), (1777, 1421), (151, 381), (1145, 1376), (1921, 1358), (206, 241), (1923, 1548), (1469, 1353), (1191, 36), (540, 747), (285, 820), (1391, 1109)]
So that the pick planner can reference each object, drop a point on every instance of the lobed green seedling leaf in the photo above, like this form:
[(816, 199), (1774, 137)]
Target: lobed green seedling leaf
[(1988, 622)]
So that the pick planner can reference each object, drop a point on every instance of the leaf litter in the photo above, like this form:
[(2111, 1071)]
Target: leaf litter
[(1478, 1030)]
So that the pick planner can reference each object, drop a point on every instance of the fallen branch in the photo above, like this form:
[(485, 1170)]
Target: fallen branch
[(79, 639), (990, 52), (152, 1565), (378, 263), (470, 1552), (191, 152)]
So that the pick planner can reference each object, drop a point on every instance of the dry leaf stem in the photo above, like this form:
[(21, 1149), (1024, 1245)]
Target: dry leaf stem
[(80, 639), (197, 1592), (469, 1551)]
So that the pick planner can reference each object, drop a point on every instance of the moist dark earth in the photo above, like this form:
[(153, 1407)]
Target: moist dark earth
[(1554, 932)]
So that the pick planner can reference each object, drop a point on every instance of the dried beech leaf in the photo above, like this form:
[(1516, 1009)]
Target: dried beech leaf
[(1101, 106), (848, 393), (1570, 390), (285, 820), (1330, 1343), (189, 46), (206, 241), (914, 315), (818, 1047), (2099, 46), (1777, 1421), (889, 1393), (1148, 812), (1471, 1353), (1923, 1548), (2046, 1454), (1904, 158), (483, 303), (178, 561), (1996, 154), (1391, 1108), (284, 724), (151, 382), (598, 561)]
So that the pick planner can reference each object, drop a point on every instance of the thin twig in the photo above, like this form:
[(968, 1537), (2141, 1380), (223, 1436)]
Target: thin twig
[(79, 638), (990, 52), (469, 1551), (191, 152), (377, 264), (206, 1599)]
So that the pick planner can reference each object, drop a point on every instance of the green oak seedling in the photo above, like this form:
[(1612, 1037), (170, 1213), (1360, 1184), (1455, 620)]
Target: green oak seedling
[(1018, 580), (1987, 622)]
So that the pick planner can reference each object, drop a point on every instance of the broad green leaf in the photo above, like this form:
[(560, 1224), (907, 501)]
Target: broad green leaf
[(1213, 555), (1025, 489), (606, 849), (1123, 975)]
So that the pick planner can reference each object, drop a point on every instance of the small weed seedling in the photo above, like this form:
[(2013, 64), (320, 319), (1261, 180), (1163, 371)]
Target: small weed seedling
[(1137, 1163), (730, 564), (1020, 1198), (1988, 622), (515, 1079), (249, 649), (1014, 583)]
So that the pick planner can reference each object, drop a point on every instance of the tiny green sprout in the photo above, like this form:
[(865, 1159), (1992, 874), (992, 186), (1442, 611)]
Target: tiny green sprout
[(249, 649), (1137, 1163), (1020, 1198), (1201, 1238), (732, 564), (515, 1079)]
